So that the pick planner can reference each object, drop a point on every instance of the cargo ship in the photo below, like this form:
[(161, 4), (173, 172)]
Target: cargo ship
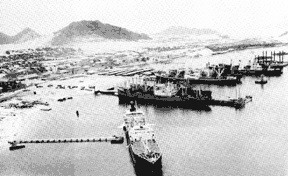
[(174, 95), (257, 67), (208, 75), (168, 94)]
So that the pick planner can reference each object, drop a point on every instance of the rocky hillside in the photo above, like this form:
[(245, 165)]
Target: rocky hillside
[(95, 30)]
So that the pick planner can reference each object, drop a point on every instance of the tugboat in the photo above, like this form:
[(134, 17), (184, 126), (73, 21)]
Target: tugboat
[(143, 148)]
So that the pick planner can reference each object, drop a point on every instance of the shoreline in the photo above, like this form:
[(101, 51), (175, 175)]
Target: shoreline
[(12, 125)]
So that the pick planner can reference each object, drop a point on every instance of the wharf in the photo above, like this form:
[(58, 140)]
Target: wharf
[(114, 140), (237, 103), (125, 72), (266, 60)]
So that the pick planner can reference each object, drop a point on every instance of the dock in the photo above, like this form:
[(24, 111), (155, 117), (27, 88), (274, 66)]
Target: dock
[(114, 140), (126, 72), (237, 103), (271, 60)]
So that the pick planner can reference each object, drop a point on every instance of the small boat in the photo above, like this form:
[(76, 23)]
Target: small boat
[(262, 80), (46, 109), (105, 92), (62, 99)]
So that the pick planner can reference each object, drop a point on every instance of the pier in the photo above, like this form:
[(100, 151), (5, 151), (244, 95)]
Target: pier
[(126, 72), (271, 60), (113, 140)]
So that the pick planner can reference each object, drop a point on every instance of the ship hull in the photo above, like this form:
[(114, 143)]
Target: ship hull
[(260, 72), (191, 81), (146, 98)]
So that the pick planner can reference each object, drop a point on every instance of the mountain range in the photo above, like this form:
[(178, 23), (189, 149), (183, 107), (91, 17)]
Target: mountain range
[(83, 31), (78, 31)]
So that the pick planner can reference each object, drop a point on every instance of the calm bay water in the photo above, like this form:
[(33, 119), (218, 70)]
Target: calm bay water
[(219, 142)]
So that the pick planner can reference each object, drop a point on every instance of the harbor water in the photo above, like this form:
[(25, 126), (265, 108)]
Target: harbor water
[(221, 141)]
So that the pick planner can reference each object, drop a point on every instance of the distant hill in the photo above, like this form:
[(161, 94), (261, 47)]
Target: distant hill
[(5, 39), (283, 37), (243, 44), (23, 36), (284, 34), (184, 34), (94, 29), (179, 30)]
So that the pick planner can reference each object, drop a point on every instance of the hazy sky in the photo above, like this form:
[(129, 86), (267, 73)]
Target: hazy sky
[(232, 17)]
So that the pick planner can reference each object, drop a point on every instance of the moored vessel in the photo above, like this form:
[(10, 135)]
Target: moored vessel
[(143, 148), (210, 75), (167, 94)]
